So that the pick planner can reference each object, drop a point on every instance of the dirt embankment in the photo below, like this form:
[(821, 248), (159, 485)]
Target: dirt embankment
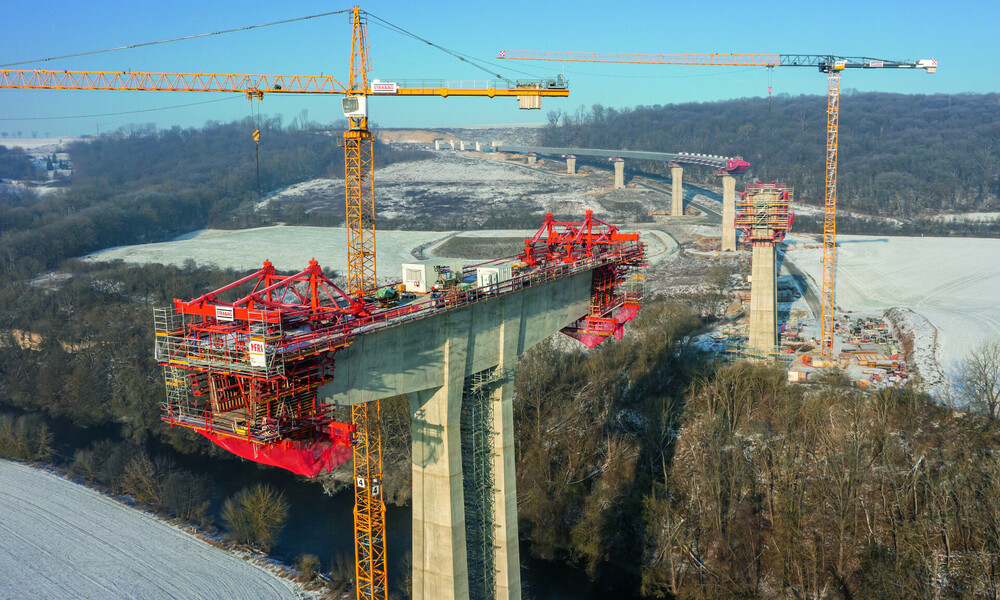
[(918, 339)]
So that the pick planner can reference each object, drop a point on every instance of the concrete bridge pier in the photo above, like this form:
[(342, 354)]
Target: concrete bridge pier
[(456, 368), (763, 298), (532, 158), (728, 214), (437, 144), (619, 174), (479, 147), (461, 145), (571, 165), (677, 190), (452, 142)]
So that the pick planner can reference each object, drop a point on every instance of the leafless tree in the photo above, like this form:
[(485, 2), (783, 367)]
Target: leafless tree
[(979, 379)]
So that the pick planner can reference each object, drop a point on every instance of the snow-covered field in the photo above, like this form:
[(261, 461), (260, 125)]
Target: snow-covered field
[(38, 145), (288, 248), (62, 540), (451, 185), (953, 282), (979, 217)]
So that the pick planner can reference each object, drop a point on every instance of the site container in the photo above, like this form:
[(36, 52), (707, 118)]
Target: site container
[(415, 278), (487, 278)]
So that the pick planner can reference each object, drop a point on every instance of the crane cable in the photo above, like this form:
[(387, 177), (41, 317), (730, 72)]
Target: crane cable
[(255, 121), (177, 39), (462, 57)]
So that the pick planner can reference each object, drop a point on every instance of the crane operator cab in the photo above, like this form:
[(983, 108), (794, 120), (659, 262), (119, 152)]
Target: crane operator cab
[(354, 106)]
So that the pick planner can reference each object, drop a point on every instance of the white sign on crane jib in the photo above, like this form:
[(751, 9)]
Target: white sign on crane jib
[(384, 87)]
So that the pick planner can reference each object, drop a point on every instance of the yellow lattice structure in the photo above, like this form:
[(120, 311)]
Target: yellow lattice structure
[(369, 509), (830, 216)]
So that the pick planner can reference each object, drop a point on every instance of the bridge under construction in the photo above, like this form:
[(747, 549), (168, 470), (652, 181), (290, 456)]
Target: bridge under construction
[(251, 367)]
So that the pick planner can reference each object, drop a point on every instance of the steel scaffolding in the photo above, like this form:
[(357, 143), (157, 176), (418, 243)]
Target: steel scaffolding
[(478, 482)]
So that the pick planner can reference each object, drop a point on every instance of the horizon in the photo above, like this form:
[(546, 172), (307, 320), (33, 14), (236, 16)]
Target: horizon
[(306, 47)]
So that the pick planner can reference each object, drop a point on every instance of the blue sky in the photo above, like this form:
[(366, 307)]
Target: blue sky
[(961, 35)]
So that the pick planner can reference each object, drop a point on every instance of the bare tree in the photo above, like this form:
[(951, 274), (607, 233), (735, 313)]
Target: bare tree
[(979, 379)]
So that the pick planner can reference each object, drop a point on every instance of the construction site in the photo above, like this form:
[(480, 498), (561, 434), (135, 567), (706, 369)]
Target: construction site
[(260, 366)]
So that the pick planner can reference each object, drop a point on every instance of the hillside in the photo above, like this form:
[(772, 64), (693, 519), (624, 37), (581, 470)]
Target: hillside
[(900, 155)]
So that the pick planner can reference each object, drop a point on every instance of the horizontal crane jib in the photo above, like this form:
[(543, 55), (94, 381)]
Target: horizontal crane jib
[(729, 164), (260, 84)]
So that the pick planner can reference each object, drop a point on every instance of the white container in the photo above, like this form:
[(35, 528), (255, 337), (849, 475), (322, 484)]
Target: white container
[(488, 278), (415, 278)]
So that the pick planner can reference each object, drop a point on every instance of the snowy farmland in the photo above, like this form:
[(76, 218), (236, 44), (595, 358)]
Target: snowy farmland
[(952, 282), (62, 540), (290, 248), (450, 185)]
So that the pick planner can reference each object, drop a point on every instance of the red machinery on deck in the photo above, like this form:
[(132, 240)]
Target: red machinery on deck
[(243, 364), (614, 298)]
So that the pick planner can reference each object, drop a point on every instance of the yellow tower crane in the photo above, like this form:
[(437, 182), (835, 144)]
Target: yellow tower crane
[(369, 509), (826, 63)]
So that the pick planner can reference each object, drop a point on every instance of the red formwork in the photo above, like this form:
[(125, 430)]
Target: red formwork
[(243, 364), (762, 212)]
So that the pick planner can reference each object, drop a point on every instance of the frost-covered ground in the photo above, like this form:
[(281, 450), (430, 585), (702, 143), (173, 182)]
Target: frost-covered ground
[(291, 247), (451, 186), (288, 248), (953, 282), (979, 217), (62, 540)]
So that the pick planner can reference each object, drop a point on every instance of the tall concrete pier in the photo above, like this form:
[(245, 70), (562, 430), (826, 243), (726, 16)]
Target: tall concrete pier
[(763, 216), (728, 214), (763, 298), (677, 190), (619, 173), (457, 369), (571, 165), (532, 158)]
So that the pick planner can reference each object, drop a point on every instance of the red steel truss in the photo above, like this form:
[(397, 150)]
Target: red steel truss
[(243, 363), (617, 285)]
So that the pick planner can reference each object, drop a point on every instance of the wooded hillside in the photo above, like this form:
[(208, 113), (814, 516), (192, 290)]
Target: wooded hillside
[(900, 155)]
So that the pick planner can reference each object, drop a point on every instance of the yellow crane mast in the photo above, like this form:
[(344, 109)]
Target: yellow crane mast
[(369, 509), (826, 63)]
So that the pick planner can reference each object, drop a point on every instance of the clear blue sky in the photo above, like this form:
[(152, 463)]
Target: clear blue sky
[(961, 35)]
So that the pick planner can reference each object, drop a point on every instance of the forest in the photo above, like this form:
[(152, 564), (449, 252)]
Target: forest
[(899, 155), (145, 185), (652, 469)]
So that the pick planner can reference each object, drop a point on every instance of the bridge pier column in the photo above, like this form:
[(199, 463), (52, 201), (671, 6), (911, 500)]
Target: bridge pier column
[(440, 569), (452, 142), (507, 557), (437, 144), (763, 299), (728, 214), (571, 166), (532, 159), (677, 191), (619, 174), (461, 145)]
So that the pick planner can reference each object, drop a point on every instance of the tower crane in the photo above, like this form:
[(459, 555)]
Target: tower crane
[(826, 63), (369, 508)]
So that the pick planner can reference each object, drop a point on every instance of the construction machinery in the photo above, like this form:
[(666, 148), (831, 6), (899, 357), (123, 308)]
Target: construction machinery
[(830, 64), (369, 510)]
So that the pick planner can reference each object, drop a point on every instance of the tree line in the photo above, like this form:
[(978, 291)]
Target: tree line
[(144, 185), (899, 155)]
